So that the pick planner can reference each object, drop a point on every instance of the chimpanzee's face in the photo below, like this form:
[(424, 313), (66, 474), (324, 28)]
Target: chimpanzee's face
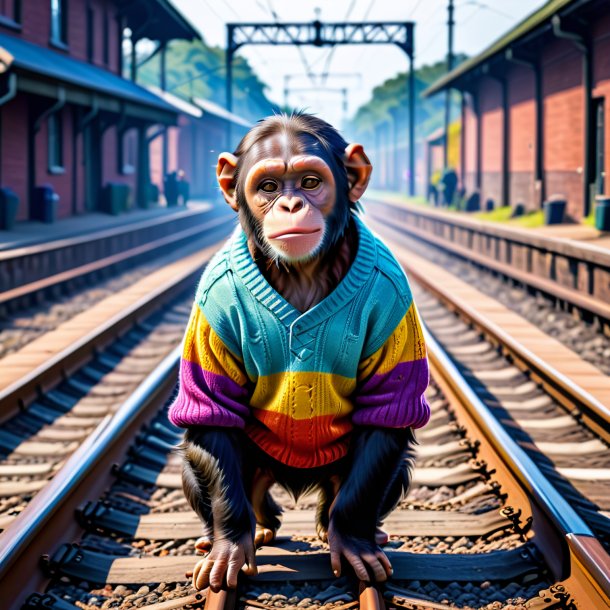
[(293, 186), (290, 196)]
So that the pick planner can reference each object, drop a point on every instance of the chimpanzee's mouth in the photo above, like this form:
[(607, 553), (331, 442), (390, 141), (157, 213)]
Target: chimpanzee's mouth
[(293, 232)]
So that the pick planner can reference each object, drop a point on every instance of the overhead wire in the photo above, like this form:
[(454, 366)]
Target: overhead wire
[(331, 53)]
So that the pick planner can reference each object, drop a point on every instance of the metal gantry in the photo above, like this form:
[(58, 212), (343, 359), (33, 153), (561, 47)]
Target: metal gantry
[(321, 34)]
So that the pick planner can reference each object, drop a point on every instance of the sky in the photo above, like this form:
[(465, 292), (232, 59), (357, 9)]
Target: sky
[(356, 68)]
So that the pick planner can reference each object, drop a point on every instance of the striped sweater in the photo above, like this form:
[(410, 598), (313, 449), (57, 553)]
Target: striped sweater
[(297, 382)]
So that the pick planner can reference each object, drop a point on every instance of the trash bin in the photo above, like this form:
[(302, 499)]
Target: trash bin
[(473, 202), (114, 198), (9, 202), (602, 213), (45, 202), (153, 193), (170, 188), (554, 211)]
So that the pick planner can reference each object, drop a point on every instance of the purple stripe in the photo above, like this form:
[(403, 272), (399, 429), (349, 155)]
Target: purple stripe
[(395, 399), (208, 399)]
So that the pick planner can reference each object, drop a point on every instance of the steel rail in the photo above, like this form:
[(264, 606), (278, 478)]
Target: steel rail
[(580, 539), (84, 464), (569, 394)]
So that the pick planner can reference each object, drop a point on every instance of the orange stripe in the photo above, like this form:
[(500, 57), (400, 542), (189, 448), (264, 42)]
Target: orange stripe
[(300, 443)]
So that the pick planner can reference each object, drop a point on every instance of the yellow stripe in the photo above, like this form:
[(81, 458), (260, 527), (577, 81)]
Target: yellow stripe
[(204, 347), (405, 344), (304, 395)]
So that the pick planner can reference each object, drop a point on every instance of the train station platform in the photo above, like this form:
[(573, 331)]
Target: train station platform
[(568, 231), (29, 233)]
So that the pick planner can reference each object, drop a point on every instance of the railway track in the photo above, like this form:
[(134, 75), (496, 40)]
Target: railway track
[(564, 428), (486, 523), (481, 528), (28, 373), (49, 412)]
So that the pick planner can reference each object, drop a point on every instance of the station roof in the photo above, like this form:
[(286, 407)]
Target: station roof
[(199, 107), (218, 111), (31, 59), (538, 19), (179, 103), (157, 20)]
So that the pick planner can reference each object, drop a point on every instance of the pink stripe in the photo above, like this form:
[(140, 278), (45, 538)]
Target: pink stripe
[(208, 399), (395, 399)]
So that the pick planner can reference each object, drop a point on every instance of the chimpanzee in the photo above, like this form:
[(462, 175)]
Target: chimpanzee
[(303, 362)]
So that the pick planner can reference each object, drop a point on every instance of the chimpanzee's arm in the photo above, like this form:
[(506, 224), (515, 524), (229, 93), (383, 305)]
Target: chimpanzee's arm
[(389, 402), (213, 481), (213, 485), (378, 463), (378, 457)]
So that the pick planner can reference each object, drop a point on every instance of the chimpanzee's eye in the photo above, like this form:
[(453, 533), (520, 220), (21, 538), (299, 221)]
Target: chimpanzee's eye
[(268, 186), (310, 182)]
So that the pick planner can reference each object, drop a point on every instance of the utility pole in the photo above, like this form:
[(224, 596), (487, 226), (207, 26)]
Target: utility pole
[(450, 24)]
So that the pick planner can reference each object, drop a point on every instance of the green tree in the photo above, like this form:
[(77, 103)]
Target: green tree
[(389, 105), (195, 69)]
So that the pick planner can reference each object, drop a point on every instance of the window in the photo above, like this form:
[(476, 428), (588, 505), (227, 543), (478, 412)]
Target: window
[(59, 22), (90, 33), (127, 151), (10, 12), (56, 148)]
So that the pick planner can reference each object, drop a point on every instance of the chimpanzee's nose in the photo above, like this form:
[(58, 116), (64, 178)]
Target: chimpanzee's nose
[(290, 204)]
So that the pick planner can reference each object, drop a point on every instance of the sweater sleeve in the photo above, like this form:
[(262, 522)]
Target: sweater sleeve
[(212, 381), (391, 382)]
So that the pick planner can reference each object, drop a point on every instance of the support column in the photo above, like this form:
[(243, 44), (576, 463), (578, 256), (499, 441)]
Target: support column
[(134, 66), (229, 79), (579, 34), (163, 83), (477, 110), (411, 127), (143, 179), (505, 144), (463, 140)]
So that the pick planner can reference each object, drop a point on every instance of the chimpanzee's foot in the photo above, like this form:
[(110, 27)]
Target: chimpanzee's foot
[(263, 535)]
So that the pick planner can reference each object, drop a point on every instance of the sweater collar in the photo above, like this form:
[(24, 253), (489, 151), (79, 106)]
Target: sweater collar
[(358, 273)]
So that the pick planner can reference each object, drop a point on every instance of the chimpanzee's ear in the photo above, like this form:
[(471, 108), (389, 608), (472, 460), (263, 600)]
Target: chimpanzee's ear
[(359, 170), (225, 173)]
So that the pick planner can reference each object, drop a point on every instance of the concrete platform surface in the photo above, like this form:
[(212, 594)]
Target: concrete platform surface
[(28, 233)]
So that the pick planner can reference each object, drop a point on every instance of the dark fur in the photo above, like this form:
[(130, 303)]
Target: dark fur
[(375, 475)]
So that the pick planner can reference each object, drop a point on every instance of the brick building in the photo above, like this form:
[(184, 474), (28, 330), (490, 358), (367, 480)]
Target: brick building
[(68, 118), (534, 106)]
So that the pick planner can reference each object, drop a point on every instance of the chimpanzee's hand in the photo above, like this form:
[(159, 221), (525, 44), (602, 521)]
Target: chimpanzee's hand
[(366, 558), (225, 559)]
